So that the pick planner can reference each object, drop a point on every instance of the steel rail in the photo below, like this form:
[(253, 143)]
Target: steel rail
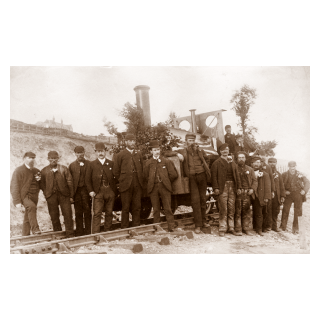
[(64, 245)]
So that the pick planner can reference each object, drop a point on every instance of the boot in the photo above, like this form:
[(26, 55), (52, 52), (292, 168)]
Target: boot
[(237, 233), (197, 230), (276, 229), (248, 232), (259, 232), (221, 233)]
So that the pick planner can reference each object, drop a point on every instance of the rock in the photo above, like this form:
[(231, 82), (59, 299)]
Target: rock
[(164, 241)]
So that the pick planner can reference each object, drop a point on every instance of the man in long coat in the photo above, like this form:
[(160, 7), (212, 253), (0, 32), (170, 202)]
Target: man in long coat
[(230, 139), (226, 184), (195, 167), (81, 196), (101, 185), (159, 173), (249, 184), (25, 189), (297, 186), (128, 169), (57, 186), (279, 193)]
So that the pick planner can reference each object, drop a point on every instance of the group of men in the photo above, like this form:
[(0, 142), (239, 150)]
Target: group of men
[(96, 184)]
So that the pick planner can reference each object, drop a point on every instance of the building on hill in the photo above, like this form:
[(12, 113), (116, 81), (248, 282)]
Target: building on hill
[(53, 124)]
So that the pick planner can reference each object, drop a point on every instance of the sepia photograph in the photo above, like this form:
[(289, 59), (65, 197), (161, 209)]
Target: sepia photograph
[(160, 160)]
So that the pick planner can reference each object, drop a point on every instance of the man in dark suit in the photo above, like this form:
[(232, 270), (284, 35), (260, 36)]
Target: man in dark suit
[(159, 172), (279, 193), (262, 194), (226, 184), (81, 196), (101, 186), (230, 139), (57, 186), (128, 169), (195, 167), (267, 209), (249, 183), (297, 186), (25, 189)]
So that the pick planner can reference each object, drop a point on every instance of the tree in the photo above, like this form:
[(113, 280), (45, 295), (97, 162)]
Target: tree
[(172, 115)]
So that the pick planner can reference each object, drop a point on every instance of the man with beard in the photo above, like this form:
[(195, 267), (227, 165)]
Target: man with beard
[(81, 196), (128, 169), (297, 186), (101, 186), (267, 209), (279, 193), (57, 187), (226, 184), (159, 172), (195, 167), (25, 189), (249, 183), (262, 194)]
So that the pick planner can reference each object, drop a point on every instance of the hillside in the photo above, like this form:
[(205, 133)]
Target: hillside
[(41, 144)]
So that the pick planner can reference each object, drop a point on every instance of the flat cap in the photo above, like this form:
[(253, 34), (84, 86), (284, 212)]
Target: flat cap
[(292, 164), (29, 154), (272, 160), (255, 158), (190, 135), (79, 149), (154, 144), (130, 136), (227, 126), (99, 146), (53, 154), (223, 146)]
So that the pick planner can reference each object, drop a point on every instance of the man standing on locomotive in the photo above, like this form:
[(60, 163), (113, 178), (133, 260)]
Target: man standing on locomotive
[(230, 139), (249, 183), (226, 184), (128, 169), (195, 167), (159, 173)]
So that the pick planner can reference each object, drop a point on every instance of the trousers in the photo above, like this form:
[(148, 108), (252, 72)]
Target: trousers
[(30, 215), (82, 211), (275, 211), (131, 199), (53, 202), (296, 198), (227, 207), (243, 213), (160, 191), (267, 215), (257, 214), (103, 201), (198, 191)]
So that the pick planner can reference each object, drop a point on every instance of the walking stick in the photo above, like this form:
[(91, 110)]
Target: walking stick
[(92, 213)]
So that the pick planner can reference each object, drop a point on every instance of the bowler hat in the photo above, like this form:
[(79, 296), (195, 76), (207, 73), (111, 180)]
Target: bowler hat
[(99, 146), (53, 154), (255, 158), (130, 136), (79, 149), (292, 164), (272, 160), (29, 155), (190, 136), (154, 144), (223, 146)]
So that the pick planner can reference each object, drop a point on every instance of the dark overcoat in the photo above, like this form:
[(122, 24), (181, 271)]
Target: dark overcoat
[(267, 168), (252, 180), (20, 183), (74, 169), (264, 188), (94, 175), (122, 169), (279, 186), (166, 170), (303, 182)]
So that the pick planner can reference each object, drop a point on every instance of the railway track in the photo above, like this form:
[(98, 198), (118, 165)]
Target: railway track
[(56, 242)]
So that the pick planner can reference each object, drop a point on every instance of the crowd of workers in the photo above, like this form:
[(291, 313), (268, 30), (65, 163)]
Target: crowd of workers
[(238, 181)]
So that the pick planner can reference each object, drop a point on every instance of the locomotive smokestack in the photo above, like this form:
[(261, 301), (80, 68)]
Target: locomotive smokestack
[(142, 98), (193, 121)]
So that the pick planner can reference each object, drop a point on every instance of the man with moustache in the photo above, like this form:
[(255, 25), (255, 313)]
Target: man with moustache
[(262, 194), (279, 193), (25, 189), (81, 196), (101, 186), (297, 186), (196, 168), (57, 187), (249, 183), (159, 173), (128, 169)]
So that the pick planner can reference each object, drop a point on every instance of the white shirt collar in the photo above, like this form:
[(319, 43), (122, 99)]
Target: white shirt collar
[(102, 161), (130, 150), (27, 166), (156, 158)]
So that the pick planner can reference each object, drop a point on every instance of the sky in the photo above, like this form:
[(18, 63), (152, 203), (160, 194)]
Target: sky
[(83, 96)]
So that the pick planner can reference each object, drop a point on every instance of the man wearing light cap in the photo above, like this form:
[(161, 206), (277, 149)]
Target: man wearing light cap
[(81, 196), (279, 193), (128, 169), (101, 186), (196, 168), (25, 189), (57, 187), (226, 183), (297, 186)]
